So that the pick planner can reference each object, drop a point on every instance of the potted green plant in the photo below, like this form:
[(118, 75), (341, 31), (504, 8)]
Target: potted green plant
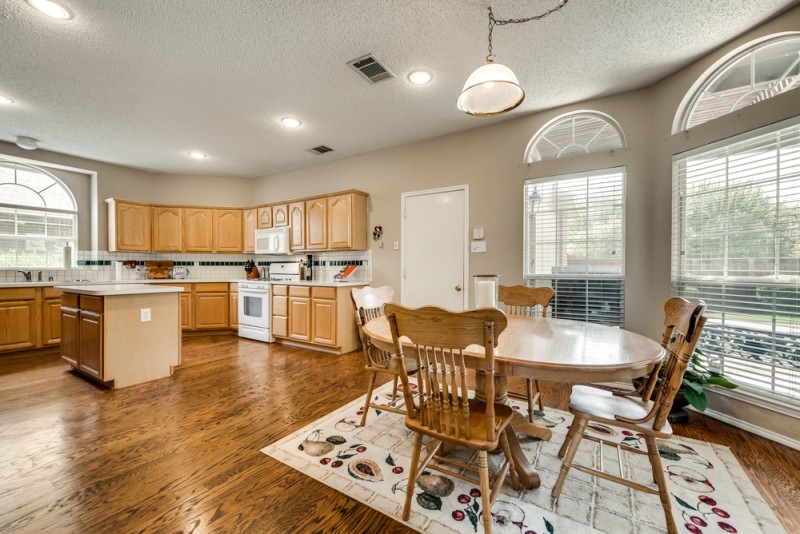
[(698, 375)]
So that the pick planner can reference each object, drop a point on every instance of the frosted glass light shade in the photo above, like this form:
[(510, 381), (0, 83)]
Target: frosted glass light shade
[(490, 90)]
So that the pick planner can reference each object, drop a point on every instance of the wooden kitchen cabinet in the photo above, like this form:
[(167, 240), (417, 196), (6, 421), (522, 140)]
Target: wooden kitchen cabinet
[(280, 311), (323, 303), (347, 222), (265, 217), (316, 234), (233, 308), (82, 333), (51, 317), (211, 306), (19, 319), (91, 344), (280, 215), (300, 318), (167, 229), (129, 226), (249, 225), (186, 311), (198, 230), (70, 335), (227, 234), (297, 220)]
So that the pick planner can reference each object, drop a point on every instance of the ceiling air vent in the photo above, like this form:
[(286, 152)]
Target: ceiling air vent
[(319, 150), (371, 69)]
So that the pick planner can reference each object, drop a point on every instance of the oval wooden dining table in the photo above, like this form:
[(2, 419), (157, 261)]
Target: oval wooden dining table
[(558, 350)]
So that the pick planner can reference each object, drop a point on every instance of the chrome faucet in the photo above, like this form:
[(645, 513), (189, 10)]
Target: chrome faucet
[(26, 274), (39, 276)]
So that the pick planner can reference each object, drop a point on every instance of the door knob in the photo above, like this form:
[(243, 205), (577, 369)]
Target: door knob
[(458, 287)]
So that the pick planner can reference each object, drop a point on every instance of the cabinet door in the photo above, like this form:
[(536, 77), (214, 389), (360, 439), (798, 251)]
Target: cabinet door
[(280, 215), (324, 314), (167, 229), (70, 336), (317, 224), (210, 311), (347, 222), (297, 219), (51, 321), (233, 309), (280, 311), (186, 311), (249, 224), (91, 344), (133, 227), (300, 318), (18, 324), (197, 230), (265, 217), (228, 230)]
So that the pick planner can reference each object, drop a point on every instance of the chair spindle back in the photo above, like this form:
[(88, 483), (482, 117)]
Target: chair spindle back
[(522, 300)]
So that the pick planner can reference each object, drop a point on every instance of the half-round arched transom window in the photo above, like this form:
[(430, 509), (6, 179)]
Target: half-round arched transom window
[(759, 72), (579, 132), (38, 217)]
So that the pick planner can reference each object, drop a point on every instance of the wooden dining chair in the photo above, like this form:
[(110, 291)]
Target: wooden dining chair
[(369, 303), (445, 412), (533, 302), (635, 410)]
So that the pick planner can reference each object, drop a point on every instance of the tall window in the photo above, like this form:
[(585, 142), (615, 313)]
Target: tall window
[(736, 245), (575, 243), (761, 71), (38, 217)]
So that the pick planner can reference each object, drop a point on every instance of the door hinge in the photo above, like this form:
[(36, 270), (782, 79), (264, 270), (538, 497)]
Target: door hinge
[(405, 273), (405, 213)]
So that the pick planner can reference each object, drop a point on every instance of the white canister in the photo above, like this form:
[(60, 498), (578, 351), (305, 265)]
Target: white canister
[(67, 256)]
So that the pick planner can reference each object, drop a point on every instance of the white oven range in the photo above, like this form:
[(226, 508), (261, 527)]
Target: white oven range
[(255, 315)]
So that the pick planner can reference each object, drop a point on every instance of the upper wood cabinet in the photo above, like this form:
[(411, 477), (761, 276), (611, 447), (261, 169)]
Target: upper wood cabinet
[(265, 217), (297, 220), (249, 225), (347, 222), (280, 215), (228, 230), (167, 229), (128, 226), (197, 230), (317, 224)]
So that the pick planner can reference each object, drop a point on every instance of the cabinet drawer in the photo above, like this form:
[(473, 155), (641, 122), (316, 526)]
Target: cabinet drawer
[(69, 300), (323, 292), (50, 293), (299, 291), (280, 326), (93, 304), (213, 287), (280, 290), (279, 306), (18, 294)]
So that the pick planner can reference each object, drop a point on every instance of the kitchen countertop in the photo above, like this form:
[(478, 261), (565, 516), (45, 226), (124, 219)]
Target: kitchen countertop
[(110, 290), (12, 285)]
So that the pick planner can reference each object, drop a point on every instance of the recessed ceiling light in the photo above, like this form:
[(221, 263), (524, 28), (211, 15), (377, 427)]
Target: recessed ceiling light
[(51, 9), (28, 143), (420, 77), (4, 100), (291, 122), (197, 155)]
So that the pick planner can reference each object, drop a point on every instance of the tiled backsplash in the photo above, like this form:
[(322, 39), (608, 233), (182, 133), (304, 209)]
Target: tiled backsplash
[(108, 266)]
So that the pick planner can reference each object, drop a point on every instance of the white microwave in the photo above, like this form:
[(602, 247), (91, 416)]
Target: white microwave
[(273, 240)]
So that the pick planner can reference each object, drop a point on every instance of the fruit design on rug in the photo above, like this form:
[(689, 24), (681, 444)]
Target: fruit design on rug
[(365, 470), (689, 478), (704, 513), (548, 421), (677, 451), (313, 445), (508, 513)]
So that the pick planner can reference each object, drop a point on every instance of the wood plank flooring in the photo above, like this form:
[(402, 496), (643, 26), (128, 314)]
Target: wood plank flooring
[(182, 454)]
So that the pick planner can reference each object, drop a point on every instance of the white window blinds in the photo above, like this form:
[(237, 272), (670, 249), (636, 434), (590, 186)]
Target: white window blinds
[(574, 243), (736, 245)]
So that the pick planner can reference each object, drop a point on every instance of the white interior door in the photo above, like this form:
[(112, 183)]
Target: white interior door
[(433, 241)]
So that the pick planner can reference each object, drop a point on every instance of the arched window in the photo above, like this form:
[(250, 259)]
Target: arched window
[(38, 217), (579, 132), (744, 77)]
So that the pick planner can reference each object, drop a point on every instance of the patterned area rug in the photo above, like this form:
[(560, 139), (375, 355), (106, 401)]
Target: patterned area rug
[(710, 492)]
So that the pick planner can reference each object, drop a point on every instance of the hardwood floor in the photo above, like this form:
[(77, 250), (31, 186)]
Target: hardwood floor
[(182, 454)]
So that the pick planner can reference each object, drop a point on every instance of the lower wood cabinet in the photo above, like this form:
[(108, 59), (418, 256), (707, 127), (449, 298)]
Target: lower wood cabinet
[(82, 329), (324, 313), (19, 319), (210, 306), (233, 307), (300, 313), (51, 321), (186, 310), (70, 335), (91, 344)]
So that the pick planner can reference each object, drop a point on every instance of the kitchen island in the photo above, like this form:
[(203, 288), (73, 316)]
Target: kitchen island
[(121, 334)]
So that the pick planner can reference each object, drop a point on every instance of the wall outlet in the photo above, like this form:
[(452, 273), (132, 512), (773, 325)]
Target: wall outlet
[(145, 315), (397, 245), (477, 246)]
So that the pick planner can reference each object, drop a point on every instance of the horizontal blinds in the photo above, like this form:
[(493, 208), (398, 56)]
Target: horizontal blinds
[(574, 243), (736, 245)]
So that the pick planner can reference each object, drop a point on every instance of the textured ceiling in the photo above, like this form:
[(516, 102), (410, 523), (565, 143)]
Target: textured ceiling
[(142, 82)]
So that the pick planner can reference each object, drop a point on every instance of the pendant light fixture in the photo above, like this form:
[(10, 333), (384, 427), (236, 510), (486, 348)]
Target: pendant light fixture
[(493, 89)]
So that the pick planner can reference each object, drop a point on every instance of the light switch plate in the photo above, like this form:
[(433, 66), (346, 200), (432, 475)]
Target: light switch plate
[(477, 246), (397, 245), (145, 315), (477, 233)]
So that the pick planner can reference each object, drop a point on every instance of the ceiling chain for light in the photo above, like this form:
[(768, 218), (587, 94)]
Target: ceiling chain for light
[(502, 22)]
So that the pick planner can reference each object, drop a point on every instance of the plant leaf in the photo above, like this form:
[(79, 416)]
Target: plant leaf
[(473, 518), (722, 381), (697, 400), (698, 388), (549, 526), (390, 460), (684, 503)]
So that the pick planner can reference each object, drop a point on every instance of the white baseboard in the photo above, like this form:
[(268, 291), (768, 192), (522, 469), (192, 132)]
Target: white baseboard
[(750, 427)]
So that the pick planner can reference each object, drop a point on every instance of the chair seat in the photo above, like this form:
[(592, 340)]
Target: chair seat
[(603, 406), (391, 365), (477, 424)]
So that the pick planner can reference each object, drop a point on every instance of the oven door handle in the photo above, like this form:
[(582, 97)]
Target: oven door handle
[(254, 291)]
